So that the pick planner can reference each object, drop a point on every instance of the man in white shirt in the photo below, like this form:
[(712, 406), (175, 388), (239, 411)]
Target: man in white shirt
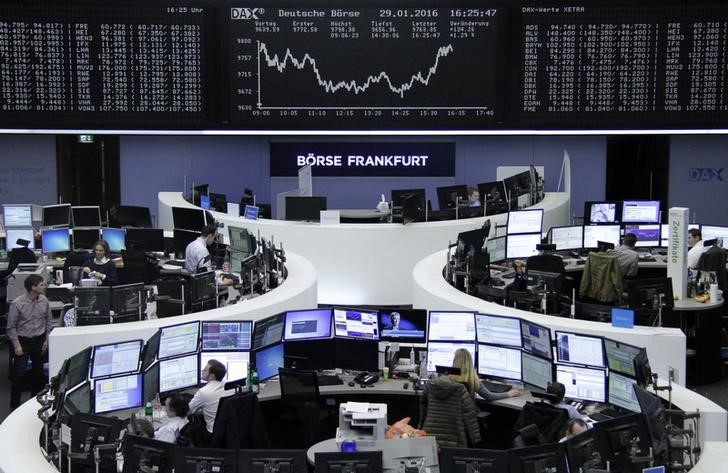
[(695, 242), (208, 397), (177, 409), (197, 256)]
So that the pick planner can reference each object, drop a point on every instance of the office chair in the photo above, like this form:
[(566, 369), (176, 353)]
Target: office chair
[(453, 418), (602, 279), (138, 267), (239, 423), (491, 294), (539, 423), (524, 300), (300, 405)]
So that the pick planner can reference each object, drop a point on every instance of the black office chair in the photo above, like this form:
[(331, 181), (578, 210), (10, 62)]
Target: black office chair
[(239, 423), (300, 406), (491, 294), (524, 300), (539, 423), (138, 267)]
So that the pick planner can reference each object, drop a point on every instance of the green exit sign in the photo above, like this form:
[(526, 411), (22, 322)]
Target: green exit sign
[(85, 138)]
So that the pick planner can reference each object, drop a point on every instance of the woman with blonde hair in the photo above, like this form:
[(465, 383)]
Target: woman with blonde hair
[(469, 377)]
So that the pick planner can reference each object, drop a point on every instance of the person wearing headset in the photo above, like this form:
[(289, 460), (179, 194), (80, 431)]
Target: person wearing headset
[(100, 267)]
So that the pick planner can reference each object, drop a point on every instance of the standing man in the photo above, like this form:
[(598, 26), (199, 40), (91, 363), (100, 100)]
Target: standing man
[(208, 397), (29, 324)]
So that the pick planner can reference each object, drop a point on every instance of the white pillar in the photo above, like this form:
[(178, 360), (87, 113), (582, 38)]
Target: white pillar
[(677, 253)]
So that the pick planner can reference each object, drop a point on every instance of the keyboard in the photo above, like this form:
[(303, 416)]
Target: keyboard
[(496, 387), (599, 417), (509, 275), (175, 262), (605, 414), (329, 380)]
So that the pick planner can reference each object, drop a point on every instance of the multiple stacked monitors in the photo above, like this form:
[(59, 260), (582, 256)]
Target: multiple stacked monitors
[(403, 325), (235, 362), (178, 373), (121, 392), (85, 238), (116, 358), (536, 339), (498, 330), (536, 371), (588, 384), (443, 353), (17, 215), (350, 323), (579, 349), (56, 240), (499, 362), (146, 239), (57, 216), (522, 246), (451, 326), (86, 217), (178, 340), (227, 335), (115, 237), (307, 324), (497, 249), (596, 233), (641, 211)]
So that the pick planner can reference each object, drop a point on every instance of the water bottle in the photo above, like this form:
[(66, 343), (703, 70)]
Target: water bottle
[(148, 409), (226, 264), (254, 383), (157, 405), (249, 378)]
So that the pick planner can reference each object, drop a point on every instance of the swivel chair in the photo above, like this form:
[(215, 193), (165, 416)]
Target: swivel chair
[(539, 423), (300, 405), (239, 423), (602, 280)]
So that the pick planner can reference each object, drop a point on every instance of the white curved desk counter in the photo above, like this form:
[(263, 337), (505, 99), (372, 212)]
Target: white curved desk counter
[(298, 291), (365, 263), (665, 346)]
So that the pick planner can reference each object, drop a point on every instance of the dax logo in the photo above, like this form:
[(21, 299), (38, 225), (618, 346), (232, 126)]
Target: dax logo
[(705, 174), (245, 13)]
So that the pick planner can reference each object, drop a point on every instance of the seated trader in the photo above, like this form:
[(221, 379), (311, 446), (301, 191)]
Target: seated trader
[(559, 391), (197, 257), (574, 428), (208, 397), (100, 267), (464, 362), (627, 256), (473, 197), (29, 324), (177, 408), (695, 242)]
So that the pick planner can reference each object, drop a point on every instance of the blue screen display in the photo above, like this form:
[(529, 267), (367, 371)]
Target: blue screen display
[(268, 360), (115, 237), (56, 241)]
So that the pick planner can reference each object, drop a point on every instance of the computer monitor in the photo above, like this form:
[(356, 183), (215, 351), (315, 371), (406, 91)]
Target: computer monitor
[(190, 459), (85, 238), (582, 452), (414, 208), (78, 365), (116, 358), (647, 234), (304, 209), (149, 352), (650, 293), (471, 241), (449, 197), (621, 392), (205, 202), (522, 246), (601, 212), (711, 232), (150, 381), (466, 460), (536, 371), (307, 324), (198, 191), (78, 400), (241, 240), (132, 216), (152, 455), (129, 300), (145, 239), (497, 249), (188, 218), (268, 331), (227, 335), (86, 216), (403, 325), (340, 462), (92, 304), (12, 235), (651, 406), (518, 184), (567, 238), (620, 356), (115, 237), (88, 430), (398, 195), (356, 354), (451, 326), (596, 233), (498, 330), (316, 354), (584, 384), (218, 202), (182, 238), (549, 458), (443, 353), (579, 349), (263, 461), (117, 393), (493, 195), (536, 339), (354, 323), (641, 211), (203, 287), (178, 373), (499, 362), (665, 234), (17, 215), (56, 240), (57, 216), (620, 441), (524, 221), (235, 362), (268, 359), (180, 339)]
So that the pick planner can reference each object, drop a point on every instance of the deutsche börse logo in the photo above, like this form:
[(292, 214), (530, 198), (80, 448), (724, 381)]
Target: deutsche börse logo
[(705, 174), (245, 13)]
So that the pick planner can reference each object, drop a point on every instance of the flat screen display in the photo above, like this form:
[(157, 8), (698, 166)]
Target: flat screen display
[(443, 353), (585, 384), (57, 215), (240, 240), (178, 340), (178, 373), (665, 234), (351, 323), (85, 238), (620, 356), (524, 221), (522, 246), (536, 371), (115, 394), (711, 232), (56, 240), (115, 237), (13, 234), (497, 249), (451, 326), (87, 216), (146, 239), (641, 211), (497, 330), (568, 238), (268, 360), (405, 325), (601, 212), (227, 335), (116, 358), (647, 235), (188, 218), (235, 362), (18, 215), (268, 331), (621, 392), (597, 233), (536, 339), (579, 349), (499, 362), (307, 324)]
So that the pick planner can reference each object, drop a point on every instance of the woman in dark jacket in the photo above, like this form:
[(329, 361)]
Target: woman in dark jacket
[(100, 266)]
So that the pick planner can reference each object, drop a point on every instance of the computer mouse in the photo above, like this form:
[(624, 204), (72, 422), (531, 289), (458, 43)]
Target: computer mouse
[(405, 386), (351, 383)]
